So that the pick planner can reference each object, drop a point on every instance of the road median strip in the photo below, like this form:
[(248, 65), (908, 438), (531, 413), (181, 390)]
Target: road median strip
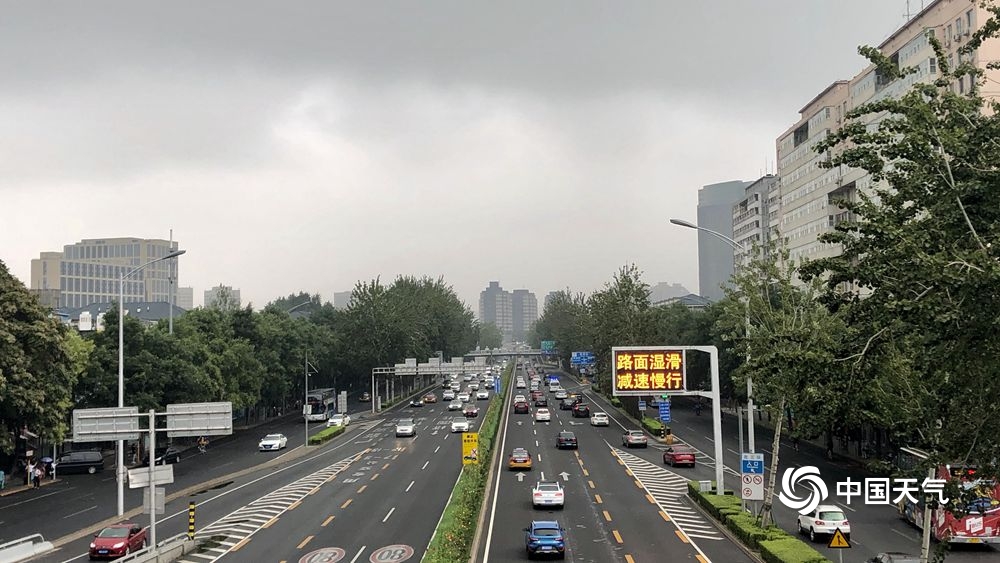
[(454, 537), (773, 544)]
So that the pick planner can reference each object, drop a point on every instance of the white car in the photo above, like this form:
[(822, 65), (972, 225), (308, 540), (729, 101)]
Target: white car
[(449, 395), (599, 419), (406, 427), (824, 521), (474, 386), (459, 425), (482, 394), (455, 405), (520, 399), (272, 443), (560, 394), (548, 493), (464, 397), (542, 415), (339, 419), (521, 384)]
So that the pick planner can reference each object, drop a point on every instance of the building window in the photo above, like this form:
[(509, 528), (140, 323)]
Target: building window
[(932, 65), (947, 36), (968, 20), (958, 26), (961, 84)]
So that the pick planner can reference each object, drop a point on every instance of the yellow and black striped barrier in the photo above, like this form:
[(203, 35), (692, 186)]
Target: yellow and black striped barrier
[(190, 520)]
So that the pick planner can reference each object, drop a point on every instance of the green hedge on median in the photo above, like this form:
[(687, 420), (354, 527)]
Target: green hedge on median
[(774, 544), (452, 541), (326, 435), (652, 425)]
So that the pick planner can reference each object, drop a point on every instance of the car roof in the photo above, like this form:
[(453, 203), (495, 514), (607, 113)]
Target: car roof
[(566, 432), (545, 524), (525, 450), (599, 413), (273, 436), (829, 507), (635, 432), (405, 421)]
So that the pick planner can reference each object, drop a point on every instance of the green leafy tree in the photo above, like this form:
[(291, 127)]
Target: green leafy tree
[(566, 320), (920, 263), (490, 336), (37, 366)]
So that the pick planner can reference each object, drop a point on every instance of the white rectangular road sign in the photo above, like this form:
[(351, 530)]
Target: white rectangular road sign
[(161, 497), (107, 424), (752, 476), (162, 475), (200, 419)]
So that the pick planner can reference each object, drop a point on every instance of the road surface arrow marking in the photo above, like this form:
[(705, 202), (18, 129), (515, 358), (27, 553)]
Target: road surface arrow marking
[(565, 476), (520, 477)]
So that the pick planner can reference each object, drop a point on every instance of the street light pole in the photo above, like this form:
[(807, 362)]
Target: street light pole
[(120, 470), (746, 323)]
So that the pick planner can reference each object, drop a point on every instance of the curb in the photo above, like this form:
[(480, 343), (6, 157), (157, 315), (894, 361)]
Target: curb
[(8, 491), (481, 521), (725, 531)]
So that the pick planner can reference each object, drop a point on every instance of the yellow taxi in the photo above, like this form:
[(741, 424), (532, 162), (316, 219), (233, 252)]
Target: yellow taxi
[(519, 459)]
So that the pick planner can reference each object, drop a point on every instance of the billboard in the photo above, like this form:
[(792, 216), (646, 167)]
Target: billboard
[(548, 345), (647, 370)]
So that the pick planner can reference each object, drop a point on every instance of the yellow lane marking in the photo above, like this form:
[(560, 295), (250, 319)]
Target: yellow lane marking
[(363, 487), (295, 505), (304, 542), (592, 485), (650, 499), (620, 462), (681, 535), (586, 473), (618, 537), (384, 467), (701, 558), (395, 456), (269, 522), (664, 516), (241, 544), (607, 515), (327, 521), (375, 476), (346, 504), (598, 499), (629, 472), (638, 484), (628, 559), (314, 491)]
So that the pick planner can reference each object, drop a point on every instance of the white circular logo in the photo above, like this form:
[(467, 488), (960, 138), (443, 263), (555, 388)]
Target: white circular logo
[(807, 476)]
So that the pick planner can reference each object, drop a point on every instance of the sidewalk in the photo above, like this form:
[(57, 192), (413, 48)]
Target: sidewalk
[(11, 490)]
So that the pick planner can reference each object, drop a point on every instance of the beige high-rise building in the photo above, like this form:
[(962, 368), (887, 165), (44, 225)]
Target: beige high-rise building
[(808, 193), (89, 271), (185, 298)]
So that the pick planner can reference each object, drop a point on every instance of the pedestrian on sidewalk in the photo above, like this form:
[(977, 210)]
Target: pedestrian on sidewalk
[(37, 476), (29, 472)]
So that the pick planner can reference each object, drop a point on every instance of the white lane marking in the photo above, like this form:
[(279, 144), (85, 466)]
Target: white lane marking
[(848, 508), (436, 449), (391, 510), (732, 451), (36, 498), (536, 443), (539, 457), (80, 512), (496, 489), (358, 554), (425, 465), (409, 486), (543, 475), (709, 439)]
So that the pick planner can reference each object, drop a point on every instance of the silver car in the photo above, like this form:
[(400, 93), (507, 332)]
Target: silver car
[(548, 493), (406, 427)]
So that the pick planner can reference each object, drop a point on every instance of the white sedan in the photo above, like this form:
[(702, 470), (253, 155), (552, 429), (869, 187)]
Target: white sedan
[(272, 443), (338, 419), (542, 415), (482, 394)]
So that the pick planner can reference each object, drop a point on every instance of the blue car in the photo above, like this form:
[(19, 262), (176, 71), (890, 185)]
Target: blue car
[(544, 537)]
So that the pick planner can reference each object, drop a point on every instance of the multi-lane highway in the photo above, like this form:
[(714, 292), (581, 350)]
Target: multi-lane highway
[(615, 509)]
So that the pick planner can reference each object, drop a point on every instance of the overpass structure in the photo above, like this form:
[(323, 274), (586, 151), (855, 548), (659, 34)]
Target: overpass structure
[(500, 353)]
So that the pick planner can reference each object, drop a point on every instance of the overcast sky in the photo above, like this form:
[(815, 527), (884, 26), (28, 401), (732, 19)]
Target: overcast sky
[(307, 145)]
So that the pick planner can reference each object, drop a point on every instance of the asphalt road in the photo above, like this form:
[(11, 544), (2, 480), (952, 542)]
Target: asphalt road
[(78, 501), (874, 529), (609, 515), (391, 498)]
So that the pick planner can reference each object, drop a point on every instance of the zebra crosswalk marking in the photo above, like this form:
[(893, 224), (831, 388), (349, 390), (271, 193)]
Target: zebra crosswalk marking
[(670, 491), (229, 531)]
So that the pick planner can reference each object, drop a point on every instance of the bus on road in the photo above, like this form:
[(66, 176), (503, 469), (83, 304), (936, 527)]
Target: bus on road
[(322, 404), (979, 522)]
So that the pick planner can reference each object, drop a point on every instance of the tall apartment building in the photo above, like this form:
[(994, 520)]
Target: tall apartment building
[(185, 298), (549, 297), (496, 306), (752, 218), (808, 193), (213, 296), (89, 271), (715, 256), (524, 313)]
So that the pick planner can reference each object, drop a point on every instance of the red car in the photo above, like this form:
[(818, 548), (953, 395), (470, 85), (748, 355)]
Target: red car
[(471, 411), (674, 456), (117, 541), (521, 407)]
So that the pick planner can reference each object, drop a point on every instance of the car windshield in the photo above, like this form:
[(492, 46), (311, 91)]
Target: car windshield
[(406, 422), (832, 515), (546, 532), (337, 417), (458, 421), (548, 487), (273, 437), (113, 533), (567, 435)]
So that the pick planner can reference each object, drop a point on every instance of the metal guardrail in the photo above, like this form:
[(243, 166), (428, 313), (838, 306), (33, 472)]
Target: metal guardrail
[(143, 553)]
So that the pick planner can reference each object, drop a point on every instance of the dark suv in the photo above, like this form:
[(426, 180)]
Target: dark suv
[(566, 404), (566, 439), (80, 462), (581, 410)]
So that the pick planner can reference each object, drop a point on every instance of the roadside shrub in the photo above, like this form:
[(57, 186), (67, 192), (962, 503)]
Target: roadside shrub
[(652, 425), (789, 550), (326, 435)]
